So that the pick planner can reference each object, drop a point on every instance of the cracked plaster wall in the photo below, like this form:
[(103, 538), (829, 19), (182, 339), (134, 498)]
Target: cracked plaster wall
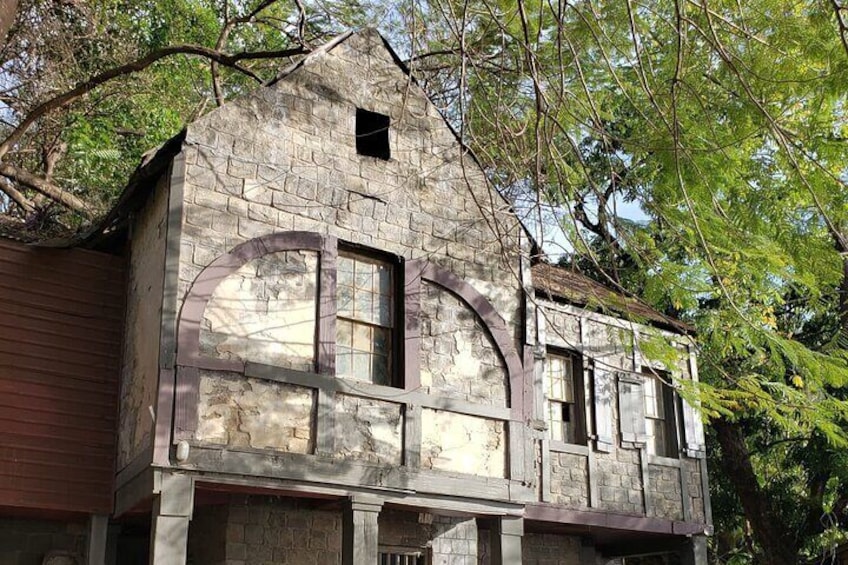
[(368, 430), (140, 367), (458, 358), (265, 312), (462, 444), (244, 412)]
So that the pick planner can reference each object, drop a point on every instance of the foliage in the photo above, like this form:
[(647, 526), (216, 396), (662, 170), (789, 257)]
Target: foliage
[(693, 153)]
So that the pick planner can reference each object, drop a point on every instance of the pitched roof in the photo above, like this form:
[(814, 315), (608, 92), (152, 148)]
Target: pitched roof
[(575, 288)]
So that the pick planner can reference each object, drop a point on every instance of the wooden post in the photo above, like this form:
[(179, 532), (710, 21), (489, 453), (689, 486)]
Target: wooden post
[(360, 531), (506, 541), (172, 509)]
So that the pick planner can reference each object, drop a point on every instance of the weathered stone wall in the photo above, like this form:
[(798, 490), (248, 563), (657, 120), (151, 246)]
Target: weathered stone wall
[(450, 540), (692, 470), (609, 345), (140, 369), (265, 312), (550, 549), (462, 444), (242, 412), (265, 531), (284, 157), (208, 535), (569, 480), (28, 542), (458, 358), (664, 490), (368, 430)]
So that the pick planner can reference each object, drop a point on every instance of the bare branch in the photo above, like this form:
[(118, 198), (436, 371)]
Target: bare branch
[(46, 188), (17, 196)]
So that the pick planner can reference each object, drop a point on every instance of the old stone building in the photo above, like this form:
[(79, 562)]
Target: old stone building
[(340, 347)]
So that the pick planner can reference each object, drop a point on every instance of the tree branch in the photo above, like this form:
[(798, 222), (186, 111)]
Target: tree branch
[(46, 188), (17, 196), (133, 67)]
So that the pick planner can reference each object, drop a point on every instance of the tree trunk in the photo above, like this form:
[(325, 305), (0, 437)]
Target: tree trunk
[(776, 543)]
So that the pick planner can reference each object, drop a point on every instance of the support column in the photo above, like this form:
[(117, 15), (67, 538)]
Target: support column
[(506, 541), (360, 531), (95, 548), (694, 551), (172, 508), (588, 555)]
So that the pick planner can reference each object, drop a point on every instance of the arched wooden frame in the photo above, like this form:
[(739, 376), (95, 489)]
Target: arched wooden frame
[(203, 287), (189, 358), (416, 271)]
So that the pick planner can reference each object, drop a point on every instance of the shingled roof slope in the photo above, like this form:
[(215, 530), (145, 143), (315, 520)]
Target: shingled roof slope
[(580, 290)]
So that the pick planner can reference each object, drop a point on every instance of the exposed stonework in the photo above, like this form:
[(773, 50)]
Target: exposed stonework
[(266, 531), (28, 542), (368, 430), (241, 412), (462, 444), (664, 490), (265, 312), (569, 480), (550, 549), (455, 541), (458, 358), (692, 468), (140, 369), (619, 476), (284, 158), (450, 540)]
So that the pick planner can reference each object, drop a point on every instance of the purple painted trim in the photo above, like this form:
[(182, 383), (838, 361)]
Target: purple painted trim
[(412, 325), (191, 315), (164, 402), (529, 375), (492, 321), (556, 514), (187, 396), (325, 358)]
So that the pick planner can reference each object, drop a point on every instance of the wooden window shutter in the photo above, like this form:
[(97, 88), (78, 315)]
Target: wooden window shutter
[(631, 409), (602, 384), (694, 444)]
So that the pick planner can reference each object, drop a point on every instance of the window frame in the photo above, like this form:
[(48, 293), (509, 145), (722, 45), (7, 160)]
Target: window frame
[(670, 414), (397, 300), (578, 384)]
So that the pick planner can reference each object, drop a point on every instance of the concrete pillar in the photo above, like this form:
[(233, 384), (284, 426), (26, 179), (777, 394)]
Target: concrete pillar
[(506, 541), (172, 509), (95, 548), (359, 531), (694, 551)]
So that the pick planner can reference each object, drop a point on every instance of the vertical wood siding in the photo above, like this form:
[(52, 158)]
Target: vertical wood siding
[(61, 316)]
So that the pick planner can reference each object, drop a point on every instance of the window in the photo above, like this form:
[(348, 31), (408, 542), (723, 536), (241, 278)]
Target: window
[(660, 421), (402, 558), (564, 392), (372, 134), (365, 318)]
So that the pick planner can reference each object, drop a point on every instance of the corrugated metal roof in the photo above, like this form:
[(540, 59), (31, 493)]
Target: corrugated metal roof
[(578, 289)]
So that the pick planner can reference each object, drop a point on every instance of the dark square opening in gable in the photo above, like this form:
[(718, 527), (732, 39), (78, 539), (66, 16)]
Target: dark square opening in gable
[(372, 134)]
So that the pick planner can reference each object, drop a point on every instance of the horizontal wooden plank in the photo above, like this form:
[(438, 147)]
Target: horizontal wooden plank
[(75, 361), (108, 290), (44, 386), (12, 366), (59, 446), (78, 345), (75, 403), (70, 425), (54, 302), (105, 334), (36, 493), (74, 260), (67, 468)]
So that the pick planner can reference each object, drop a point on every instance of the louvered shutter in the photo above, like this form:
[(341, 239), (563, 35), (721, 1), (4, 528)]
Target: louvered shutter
[(694, 444), (631, 409), (603, 384)]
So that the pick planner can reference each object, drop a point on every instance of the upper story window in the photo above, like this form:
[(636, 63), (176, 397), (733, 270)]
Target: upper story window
[(660, 421), (372, 134), (365, 318), (564, 399)]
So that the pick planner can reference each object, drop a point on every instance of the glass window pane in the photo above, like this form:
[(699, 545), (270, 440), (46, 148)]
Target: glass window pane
[(361, 366), (344, 333), (343, 361), (344, 271)]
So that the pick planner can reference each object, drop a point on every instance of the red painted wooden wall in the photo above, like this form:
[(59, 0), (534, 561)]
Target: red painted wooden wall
[(61, 316)]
